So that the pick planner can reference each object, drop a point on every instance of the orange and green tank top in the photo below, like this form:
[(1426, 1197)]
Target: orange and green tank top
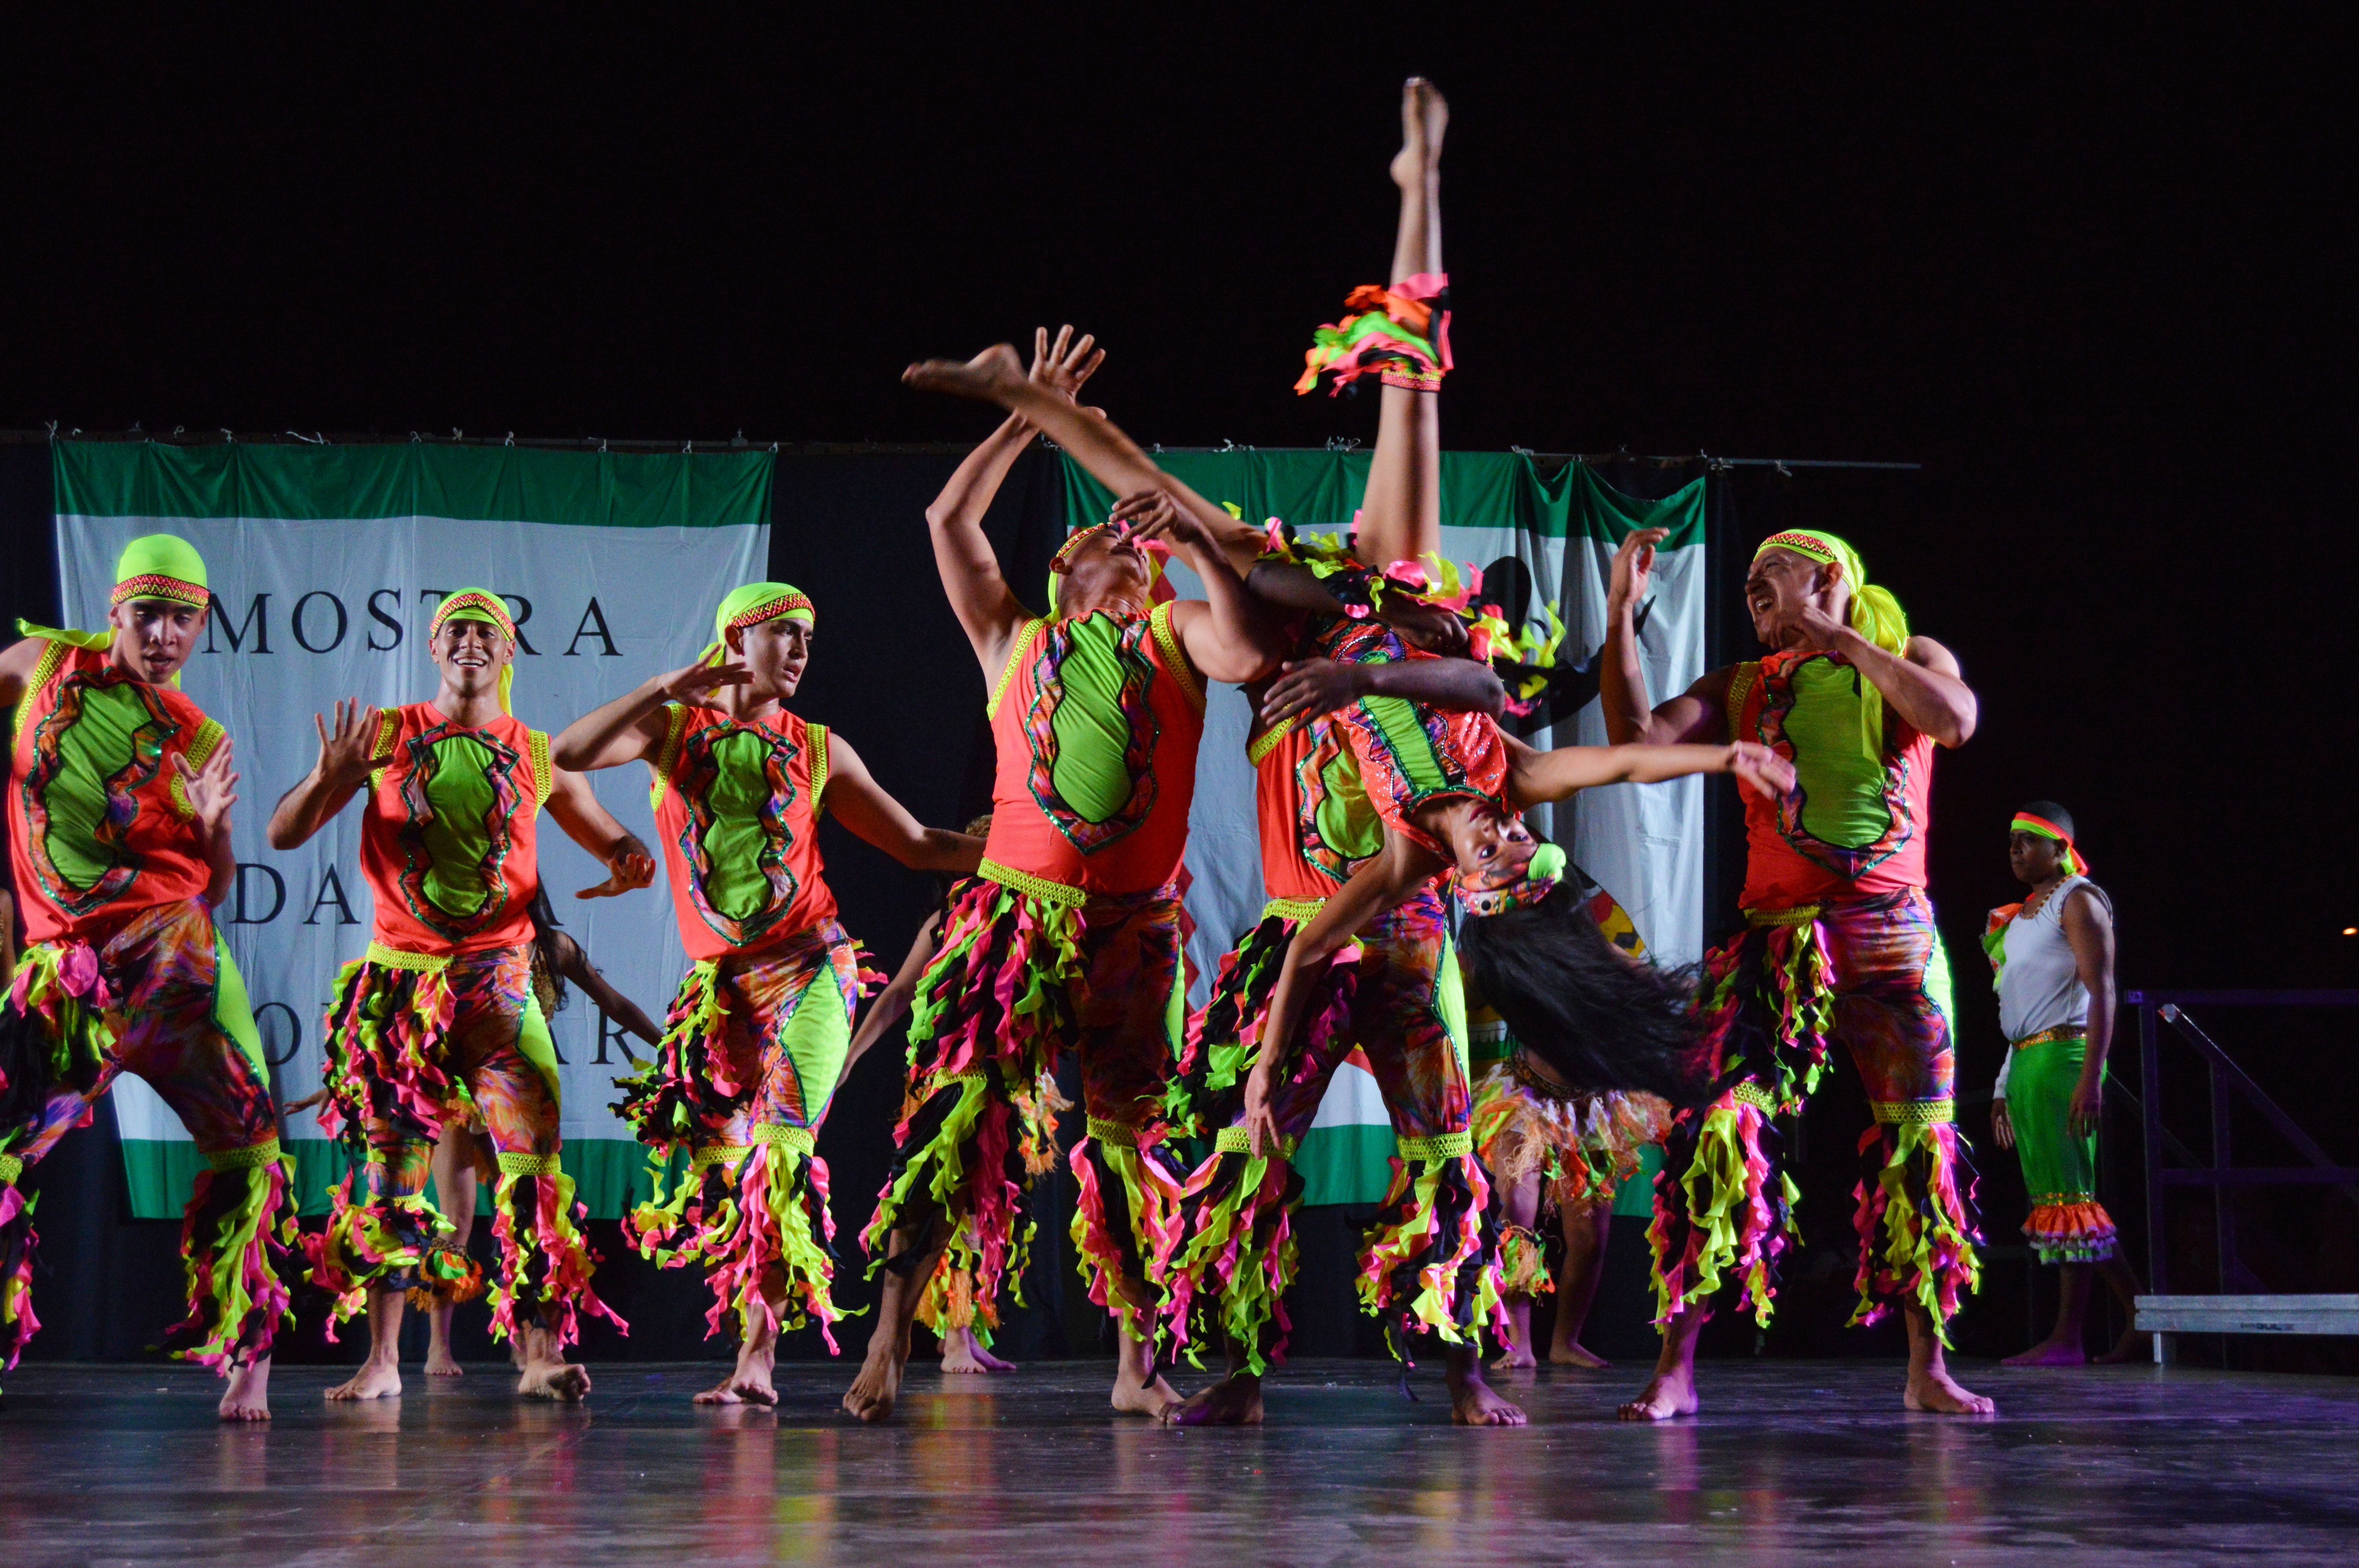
[(1853, 826), (1096, 720), (1318, 825), (100, 826), (1411, 756), (447, 840), (736, 805)]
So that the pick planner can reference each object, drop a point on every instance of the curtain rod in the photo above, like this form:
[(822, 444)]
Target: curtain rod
[(181, 437)]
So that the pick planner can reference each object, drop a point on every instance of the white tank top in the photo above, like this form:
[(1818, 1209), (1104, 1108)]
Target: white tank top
[(2040, 987)]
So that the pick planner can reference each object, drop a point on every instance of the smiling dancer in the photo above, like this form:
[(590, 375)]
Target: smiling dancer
[(1070, 938), (119, 802), (757, 1039), (2053, 960), (1839, 945), (438, 1023)]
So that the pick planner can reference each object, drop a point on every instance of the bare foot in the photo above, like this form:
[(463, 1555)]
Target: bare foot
[(1577, 1355), (872, 1393), (962, 1352), (1425, 115), (982, 378), (2133, 1345), (247, 1398), (2049, 1353), (1149, 1400), (1472, 1402), (1667, 1394), (1513, 1358), (439, 1364), (374, 1381), (748, 1384), (553, 1380), (1235, 1400), (1933, 1392)]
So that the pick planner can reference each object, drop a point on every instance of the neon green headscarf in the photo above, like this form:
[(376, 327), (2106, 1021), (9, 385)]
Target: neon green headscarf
[(154, 566), (750, 606), (481, 604), (1875, 615)]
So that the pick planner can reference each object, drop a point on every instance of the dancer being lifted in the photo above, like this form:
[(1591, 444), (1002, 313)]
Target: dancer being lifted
[(1070, 938), (120, 798), (1839, 945), (438, 1022), (755, 1041)]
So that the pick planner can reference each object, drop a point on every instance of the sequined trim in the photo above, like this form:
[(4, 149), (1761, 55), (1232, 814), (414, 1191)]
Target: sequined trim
[(1742, 678), (2061, 1200), (1237, 1140), (1914, 1112), (251, 1157), (1008, 671), (1755, 1095), (815, 748), (515, 1164), (208, 736), (53, 655), (416, 963), (1026, 882), (544, 776), (675, 725), (801, 1140), (718, 1154), (2049, 1036), (1106, 1131), (11, 1168), (1174, 659), (388, 730), (1257, 750), (1295, 909), (1448, 1146), (1800, 914)]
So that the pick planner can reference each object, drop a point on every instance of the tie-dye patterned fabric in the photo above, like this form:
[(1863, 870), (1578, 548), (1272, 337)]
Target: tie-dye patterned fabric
[(1431, 1255), (415, 1041), (1019, 979), (751, 1053), (157, 998), (1777, 995)]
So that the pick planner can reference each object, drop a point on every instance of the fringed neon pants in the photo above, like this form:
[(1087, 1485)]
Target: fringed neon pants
[(750, 1058), (1430, 1258), (159, 998), (1868, 972), (415, 1041), (2067, 1225), (1025, 970)]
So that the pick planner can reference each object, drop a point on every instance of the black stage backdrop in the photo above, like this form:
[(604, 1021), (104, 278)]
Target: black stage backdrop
[(894, 671)]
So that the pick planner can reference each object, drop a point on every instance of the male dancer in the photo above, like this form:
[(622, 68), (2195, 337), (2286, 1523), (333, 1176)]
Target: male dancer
[(119, 805), (2052, 957), (1839, 945), (1070, 938), (438, 1022), (755, 1041)]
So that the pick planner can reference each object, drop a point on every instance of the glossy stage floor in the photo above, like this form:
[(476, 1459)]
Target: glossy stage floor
[(1791, 1462)]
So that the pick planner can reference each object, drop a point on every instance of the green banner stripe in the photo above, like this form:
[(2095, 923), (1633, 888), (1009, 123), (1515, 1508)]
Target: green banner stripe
[(610, 1174), (1319, 490), (472, 484), (1350, 1163)]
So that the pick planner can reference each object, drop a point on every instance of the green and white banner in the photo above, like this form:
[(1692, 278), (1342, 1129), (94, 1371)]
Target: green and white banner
[(1542, 540), (326, 564)]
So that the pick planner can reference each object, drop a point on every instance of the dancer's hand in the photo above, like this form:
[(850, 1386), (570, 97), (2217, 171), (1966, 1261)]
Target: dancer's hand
[(1259, 1121), (1819, 629), (2002, 1125), (1157, 515), (1634, 568), (631, 867), (346, 752), (1762, 768), (1061, 367), (1310, 686), (698, 680), (1427, 626), (2087, 1107), (211, 789)]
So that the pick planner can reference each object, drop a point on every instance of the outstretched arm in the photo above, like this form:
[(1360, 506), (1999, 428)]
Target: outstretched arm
[(889, 1005), (1698, 714), (1310, 686), (979, 595), (630, 727), (575, 966), (1399, 870), (346, 754), (594, 827), (1426, 626), (1534, 777), (861, 804)]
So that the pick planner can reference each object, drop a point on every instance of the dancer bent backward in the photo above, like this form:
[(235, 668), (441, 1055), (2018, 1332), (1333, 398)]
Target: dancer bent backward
[(438, 1023), (119, 800), (757, 1039), (1070, 938), (1839, 945)]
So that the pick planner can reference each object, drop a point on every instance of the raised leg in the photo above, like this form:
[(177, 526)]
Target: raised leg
[(1401, 515), (1587, 1228)]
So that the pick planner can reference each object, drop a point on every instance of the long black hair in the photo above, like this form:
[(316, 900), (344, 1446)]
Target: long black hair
[(1600, 1019)]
